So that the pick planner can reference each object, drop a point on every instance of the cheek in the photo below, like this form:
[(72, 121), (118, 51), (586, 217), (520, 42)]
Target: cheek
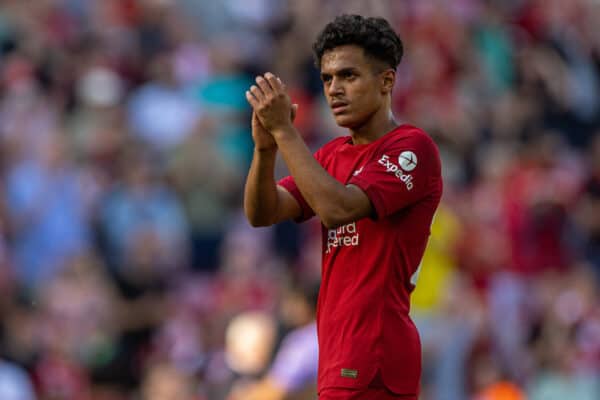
[(364, 105), (366, 101), (367, 92)]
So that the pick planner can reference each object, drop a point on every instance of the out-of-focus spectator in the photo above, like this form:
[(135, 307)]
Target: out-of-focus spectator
[(160, 112), (501, 391), (293, 372), (587, 210), (438, 264), (15, 384), (249, 339), (48, 207), (165, 382), (143, 220)]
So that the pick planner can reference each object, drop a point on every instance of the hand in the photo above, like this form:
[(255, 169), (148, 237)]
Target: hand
[(263, 141), (271, 103)]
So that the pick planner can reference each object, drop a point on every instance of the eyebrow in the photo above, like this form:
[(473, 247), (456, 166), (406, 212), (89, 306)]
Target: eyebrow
[(342, 71)]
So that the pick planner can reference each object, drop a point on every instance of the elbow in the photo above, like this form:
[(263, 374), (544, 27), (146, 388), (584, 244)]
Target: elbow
[(260, 224), (256, 221)]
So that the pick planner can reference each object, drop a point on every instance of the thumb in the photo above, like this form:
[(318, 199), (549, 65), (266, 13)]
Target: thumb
[(294, 111)]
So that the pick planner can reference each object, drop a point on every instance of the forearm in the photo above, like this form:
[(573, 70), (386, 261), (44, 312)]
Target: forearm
[(327, 197), (260, 193)]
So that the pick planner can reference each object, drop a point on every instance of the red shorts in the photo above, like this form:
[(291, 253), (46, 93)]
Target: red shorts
[(375, 391), (364, 394)]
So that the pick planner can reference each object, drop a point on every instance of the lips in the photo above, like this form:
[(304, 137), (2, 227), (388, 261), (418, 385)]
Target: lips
[(338, 106)]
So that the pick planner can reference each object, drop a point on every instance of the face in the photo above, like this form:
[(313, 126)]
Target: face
[(355, 88)]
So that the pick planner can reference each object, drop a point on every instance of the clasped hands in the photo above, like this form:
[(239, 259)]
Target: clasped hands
[(271, 103)]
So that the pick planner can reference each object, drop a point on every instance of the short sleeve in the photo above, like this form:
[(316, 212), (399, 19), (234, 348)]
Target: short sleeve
[(289, 184), (400, 174)]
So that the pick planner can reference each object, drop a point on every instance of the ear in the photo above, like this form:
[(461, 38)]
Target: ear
[(388, 79)]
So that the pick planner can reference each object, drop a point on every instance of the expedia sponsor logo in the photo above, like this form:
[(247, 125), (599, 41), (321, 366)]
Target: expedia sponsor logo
[(397, 171), (345, 235)]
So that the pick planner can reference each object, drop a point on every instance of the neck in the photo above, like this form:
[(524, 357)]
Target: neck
[(373, 129)]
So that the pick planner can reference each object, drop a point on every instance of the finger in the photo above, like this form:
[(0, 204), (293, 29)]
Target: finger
[(264, 85), (294, 111), (275, 82), (257, 92), (251, 99)]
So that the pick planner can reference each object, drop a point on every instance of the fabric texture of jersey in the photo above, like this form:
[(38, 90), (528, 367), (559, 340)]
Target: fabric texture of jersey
[(375, 390), (370, 266)]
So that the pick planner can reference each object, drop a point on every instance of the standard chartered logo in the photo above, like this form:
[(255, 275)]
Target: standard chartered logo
[(345, 235)]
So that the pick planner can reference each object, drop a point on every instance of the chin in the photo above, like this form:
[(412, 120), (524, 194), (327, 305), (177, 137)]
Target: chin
[(346, 121)]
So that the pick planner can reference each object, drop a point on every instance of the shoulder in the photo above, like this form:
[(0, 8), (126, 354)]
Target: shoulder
[(331, 146), (410, 135), (411, 145), (334, 143)]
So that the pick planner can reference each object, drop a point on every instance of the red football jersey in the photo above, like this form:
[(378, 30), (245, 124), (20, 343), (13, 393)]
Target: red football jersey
[(370, 266)]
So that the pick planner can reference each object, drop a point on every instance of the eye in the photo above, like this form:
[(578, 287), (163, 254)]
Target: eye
[(348, 75), (326, 78)]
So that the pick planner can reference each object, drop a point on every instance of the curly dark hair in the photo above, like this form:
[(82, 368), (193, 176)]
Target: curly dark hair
[(373, 34)]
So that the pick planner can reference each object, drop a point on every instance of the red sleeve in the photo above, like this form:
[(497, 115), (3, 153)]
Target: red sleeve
[(400, 174), (289, 184)]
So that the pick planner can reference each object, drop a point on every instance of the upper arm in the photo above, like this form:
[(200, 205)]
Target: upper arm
[(400, 175)]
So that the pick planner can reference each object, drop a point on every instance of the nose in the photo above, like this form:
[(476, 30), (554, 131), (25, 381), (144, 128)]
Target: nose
[(335, 87)]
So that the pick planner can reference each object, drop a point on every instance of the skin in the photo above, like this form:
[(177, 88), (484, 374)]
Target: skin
[(358, 90), (266, 389)]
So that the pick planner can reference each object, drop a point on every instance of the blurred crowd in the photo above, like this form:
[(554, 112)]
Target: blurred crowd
[(128, 271)]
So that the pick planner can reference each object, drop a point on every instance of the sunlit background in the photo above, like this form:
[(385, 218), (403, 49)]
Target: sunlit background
[(127, 269)]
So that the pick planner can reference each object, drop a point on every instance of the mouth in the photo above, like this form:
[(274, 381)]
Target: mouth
[(338, 107)]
